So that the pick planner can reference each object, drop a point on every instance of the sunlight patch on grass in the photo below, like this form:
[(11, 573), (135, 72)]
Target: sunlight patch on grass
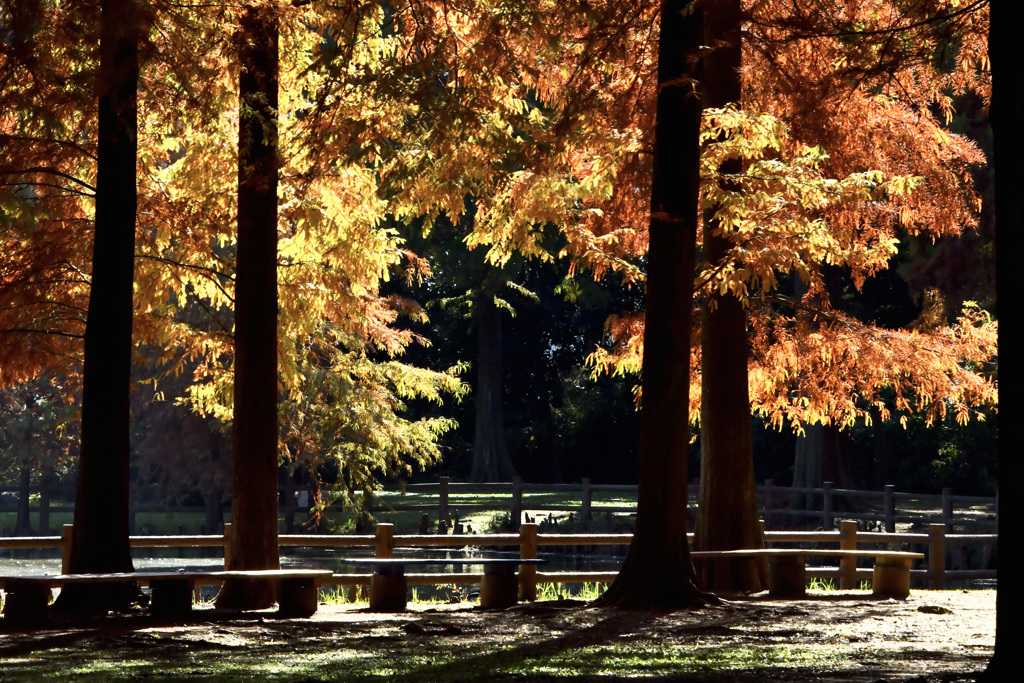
[(658, 660)]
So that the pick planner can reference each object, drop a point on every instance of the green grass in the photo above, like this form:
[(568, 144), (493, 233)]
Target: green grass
[(387, 654), (576, 591)]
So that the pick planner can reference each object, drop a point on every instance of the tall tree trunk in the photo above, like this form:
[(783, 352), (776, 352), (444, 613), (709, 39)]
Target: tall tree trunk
[(1008, 141), (100, 540), (657, 572), (254, 479), (490, 450), (727, 517)]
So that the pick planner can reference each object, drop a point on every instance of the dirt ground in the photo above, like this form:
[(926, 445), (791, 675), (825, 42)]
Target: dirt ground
[(831, 636)]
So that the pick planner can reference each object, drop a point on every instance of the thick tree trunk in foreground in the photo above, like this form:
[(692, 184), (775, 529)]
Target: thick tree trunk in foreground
[(254, 480), (657, 572), (490, 450), (100, 542), (1006, 112), (727, 517)]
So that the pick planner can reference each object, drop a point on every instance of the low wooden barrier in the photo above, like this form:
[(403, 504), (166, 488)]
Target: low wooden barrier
[(935, 543)]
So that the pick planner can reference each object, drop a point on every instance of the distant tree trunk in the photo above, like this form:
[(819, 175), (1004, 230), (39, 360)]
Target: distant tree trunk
[(822, 454), (254, 479), (727, 517), (45, 489), (881, 449), (552, 444), (100, 540), (490, 450), (1008, 141), (212, 491), (657, 572), (23, 523)]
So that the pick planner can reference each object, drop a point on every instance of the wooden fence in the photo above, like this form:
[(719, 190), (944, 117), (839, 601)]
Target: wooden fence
[(778, 504), (936, 543)]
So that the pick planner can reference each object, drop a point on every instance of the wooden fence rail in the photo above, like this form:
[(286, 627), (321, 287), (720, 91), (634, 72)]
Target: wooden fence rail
[(884, 509), (776, 503), (936, 543)]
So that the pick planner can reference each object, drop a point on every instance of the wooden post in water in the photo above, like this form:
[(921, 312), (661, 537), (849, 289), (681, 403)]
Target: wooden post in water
[(585, 499), (442, 502), (517, 501), (947, 509), (826, 506)]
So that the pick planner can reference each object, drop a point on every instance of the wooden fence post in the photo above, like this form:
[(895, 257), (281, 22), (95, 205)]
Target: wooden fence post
[(826, 506), (769, 484), (937, 556), (65, 548), (384, 544), (947, 509), (442, 502), (585, 499), (847, 565), (528, 572), (517, 501), (890, 508), (227, 545)]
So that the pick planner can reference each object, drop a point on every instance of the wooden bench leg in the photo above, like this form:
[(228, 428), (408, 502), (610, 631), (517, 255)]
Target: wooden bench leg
[(891, 578), (388, 590), (787, 577), (499, 587), (171, 598), (299, 597), (26, 604)]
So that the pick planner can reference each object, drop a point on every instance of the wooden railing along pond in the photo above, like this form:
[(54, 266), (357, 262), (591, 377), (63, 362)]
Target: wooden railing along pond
[(384, 542)]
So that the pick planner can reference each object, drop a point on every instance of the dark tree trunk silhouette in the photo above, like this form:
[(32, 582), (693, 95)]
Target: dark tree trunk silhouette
[(23, 522), (100, 541), (657, 572), (254, 480), (490, 450), (1008, 141), (727, 517)]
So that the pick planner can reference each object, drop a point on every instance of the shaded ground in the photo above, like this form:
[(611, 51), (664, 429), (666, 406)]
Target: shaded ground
[(834, 636)]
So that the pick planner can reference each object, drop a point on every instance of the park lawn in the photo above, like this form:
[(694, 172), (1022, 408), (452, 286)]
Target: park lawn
[(947, 633)]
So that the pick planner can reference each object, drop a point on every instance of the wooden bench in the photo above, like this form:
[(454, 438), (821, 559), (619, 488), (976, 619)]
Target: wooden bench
[(499, 586), (170, 592), (787, 575)]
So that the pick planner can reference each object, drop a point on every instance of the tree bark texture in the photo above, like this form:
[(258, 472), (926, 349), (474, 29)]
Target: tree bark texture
[(727, 516), (1008, 142), (657, 572), (254, 543), (100, 541), (491, 461)]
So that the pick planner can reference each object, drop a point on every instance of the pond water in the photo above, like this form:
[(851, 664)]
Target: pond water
[(22, 562)]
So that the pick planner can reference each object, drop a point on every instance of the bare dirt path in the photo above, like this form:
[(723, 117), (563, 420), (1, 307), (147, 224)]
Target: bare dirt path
[(832, 636)]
